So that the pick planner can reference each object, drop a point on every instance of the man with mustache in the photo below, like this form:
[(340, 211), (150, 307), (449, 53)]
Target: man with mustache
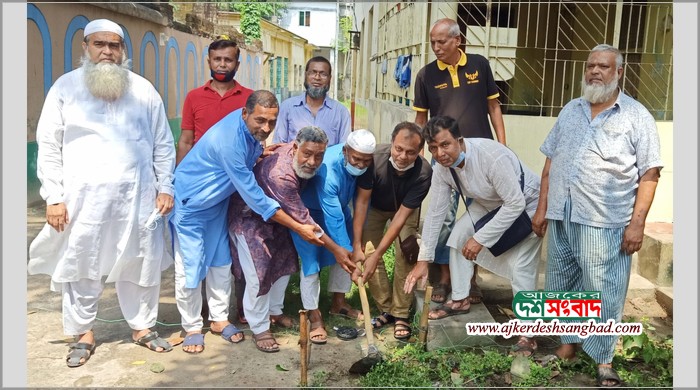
[(459, 85), (106, 160), (314, 107), (218, 97), (392, 194), (598, 182), (218, 166), (488, 175), (206, 105), (263, 252)]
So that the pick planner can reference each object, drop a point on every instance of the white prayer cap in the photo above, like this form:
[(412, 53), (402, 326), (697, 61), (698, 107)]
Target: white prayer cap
[(102, 25), (362, 141)]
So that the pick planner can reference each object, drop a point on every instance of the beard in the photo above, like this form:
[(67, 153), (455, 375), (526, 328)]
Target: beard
[(299, 172), (108, 81), (316, 92), (595, 93)]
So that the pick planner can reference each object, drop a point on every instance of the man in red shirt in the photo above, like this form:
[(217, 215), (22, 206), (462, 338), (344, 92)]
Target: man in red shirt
[(206, 105)]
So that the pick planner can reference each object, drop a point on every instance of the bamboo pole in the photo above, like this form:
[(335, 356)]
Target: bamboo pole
[(423, 323), (304, 345)]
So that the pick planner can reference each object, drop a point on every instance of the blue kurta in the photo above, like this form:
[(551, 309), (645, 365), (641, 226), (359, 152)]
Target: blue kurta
[(218, 165), (328, 196)]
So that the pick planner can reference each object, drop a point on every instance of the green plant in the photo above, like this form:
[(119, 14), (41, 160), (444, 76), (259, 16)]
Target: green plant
[(644, 361), (251, 13), (319, 378), (539, 376), (345, 27)]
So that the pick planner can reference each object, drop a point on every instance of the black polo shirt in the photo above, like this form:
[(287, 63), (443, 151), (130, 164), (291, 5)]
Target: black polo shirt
[(390, 190), (461, 92)]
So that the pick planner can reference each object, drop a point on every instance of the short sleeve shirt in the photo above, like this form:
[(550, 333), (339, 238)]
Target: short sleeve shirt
[(598, 163), (390, 190), (204, 107), (460, 92)]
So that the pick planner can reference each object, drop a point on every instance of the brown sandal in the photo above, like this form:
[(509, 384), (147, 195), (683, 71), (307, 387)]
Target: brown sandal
[(265, 336), (317, 330), (446, 310)]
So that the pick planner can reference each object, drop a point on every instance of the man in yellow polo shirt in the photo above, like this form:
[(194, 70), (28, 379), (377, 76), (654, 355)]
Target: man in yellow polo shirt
[(460, 86)]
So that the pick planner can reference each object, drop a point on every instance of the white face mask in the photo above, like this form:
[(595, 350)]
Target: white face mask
[(393, 164)]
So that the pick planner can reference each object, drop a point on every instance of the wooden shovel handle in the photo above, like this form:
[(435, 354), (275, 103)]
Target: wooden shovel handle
[(365, 308)]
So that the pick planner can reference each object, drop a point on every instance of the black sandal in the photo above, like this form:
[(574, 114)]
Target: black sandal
[(382, 320), (402, 325)]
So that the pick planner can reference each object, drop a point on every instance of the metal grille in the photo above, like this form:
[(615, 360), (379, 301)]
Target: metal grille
[(538, 49)]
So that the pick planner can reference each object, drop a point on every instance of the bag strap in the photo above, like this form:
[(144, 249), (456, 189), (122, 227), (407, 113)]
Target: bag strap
[(461, 195), (467, 203)]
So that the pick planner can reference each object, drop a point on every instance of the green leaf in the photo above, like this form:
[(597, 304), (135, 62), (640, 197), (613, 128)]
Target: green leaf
[(279, 367), (157, 367)]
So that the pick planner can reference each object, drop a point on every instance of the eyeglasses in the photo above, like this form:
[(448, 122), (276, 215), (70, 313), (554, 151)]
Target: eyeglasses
[(321, 75)]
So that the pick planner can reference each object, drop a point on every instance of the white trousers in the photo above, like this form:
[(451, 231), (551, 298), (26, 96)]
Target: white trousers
[(258, 309), (189, 300), (139, 304), (338, 281)]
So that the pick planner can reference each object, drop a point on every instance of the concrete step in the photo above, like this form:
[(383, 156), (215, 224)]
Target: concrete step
[(655, 259), (664, 296), (450, 332)]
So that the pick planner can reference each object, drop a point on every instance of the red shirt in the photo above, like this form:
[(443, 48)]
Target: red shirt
[(204, 107)]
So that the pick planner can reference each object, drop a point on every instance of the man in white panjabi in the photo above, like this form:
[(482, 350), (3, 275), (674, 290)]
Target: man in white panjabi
[(106, 160)]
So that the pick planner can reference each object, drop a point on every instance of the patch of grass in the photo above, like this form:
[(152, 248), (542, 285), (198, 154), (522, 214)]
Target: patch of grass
[(319, 378), (361, 116)]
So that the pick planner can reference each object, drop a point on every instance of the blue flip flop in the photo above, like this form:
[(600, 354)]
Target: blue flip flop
[(229, 331), (194, 339)]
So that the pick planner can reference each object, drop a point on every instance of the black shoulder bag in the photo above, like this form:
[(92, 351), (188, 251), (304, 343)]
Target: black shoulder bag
[(521, 227)]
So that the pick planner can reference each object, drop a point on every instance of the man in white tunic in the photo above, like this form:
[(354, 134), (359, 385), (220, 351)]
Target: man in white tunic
[(489, 174), (106, 160)]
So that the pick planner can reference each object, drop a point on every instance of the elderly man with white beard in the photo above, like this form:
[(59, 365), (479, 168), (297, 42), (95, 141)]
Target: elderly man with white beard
[(598, 183), (106, 160)]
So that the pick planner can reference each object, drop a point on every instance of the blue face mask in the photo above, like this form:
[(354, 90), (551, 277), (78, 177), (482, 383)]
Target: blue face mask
[(459, 160), (354, 170)]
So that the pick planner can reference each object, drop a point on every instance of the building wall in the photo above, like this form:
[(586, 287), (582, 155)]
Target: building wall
[(323, 22), (285, 54), (174, 61), (393, 29)]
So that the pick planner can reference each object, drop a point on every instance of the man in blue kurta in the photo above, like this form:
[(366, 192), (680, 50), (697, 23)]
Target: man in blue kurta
[(219, 165), (328, 197)]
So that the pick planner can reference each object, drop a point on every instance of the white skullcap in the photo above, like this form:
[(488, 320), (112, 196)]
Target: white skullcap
[(102, 25), (362, 141)]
